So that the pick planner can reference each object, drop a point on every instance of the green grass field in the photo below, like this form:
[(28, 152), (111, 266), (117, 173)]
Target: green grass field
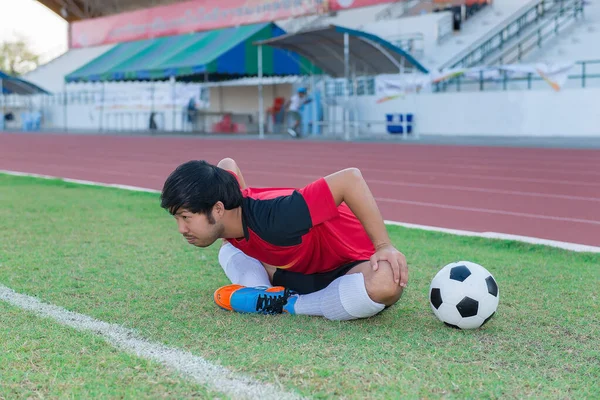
[(116, 256)]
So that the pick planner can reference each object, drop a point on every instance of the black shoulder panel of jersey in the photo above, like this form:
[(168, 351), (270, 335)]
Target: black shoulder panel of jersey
[(281, 221)]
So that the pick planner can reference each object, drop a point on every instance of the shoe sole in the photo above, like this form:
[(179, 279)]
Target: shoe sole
[(222, 296)]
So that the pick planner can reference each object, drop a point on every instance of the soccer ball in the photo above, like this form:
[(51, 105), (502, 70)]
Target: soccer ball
[(464, 295)]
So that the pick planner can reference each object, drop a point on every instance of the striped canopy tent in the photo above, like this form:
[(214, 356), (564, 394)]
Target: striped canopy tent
[(212, 55)]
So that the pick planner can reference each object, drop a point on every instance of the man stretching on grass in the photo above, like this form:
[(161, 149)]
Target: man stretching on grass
[(321, 250)]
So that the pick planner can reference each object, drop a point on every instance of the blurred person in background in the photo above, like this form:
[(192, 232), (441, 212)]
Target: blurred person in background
[(294, 109)]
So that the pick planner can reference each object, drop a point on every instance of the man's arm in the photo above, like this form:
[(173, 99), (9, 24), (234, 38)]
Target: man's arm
[(350, 187), (230, 165)]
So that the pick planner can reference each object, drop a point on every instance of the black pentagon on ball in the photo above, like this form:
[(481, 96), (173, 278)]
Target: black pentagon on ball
[(459, 273), (492, 286), (436, 298), (468, 307)]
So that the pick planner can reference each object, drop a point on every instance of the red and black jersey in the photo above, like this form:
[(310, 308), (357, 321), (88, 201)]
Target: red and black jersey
[(301, 230)]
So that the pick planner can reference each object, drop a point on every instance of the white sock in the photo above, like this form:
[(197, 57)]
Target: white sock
[(345, 298), (242, 269)]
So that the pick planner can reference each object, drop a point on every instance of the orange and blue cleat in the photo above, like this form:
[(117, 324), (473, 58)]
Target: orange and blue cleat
[(255, 300)]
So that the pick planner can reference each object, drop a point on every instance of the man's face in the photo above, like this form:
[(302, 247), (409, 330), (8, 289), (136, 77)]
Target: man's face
[(198, 229)]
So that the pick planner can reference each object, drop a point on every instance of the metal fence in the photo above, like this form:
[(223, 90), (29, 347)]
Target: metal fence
[(84, 111), (587, 75), (558, 13)]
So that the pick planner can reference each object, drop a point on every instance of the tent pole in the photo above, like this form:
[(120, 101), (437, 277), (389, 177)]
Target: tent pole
[(313, 89), (261, 108), (174, 101), (65, 111), (205, 128), (2, 116), (102, 107), (346, 85), (152, 104), (353, 101)]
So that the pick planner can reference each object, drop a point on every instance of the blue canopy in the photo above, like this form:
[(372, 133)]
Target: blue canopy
[(368, 54), (13, 85)]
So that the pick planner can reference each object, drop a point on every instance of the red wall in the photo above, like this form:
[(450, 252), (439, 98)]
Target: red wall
[(197, 15)]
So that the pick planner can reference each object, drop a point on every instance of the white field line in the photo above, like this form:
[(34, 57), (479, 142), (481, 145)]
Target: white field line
[(199, 370), (490, 235), (503, 236)]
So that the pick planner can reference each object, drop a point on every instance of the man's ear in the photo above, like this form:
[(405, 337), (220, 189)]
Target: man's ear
[(218, 210)]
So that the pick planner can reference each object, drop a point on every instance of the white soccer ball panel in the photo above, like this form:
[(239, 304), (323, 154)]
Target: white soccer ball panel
[(451, 291), (470, 323), (448, 313), (487, 306), (477, 289), (477, 274)]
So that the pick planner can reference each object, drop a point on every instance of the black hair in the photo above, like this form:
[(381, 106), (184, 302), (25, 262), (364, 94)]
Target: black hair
[(197, 186)]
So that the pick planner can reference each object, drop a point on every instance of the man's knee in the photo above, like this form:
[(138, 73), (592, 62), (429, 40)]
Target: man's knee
[(270, 270), (381, 286)]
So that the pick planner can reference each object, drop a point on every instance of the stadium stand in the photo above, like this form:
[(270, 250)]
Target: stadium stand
[(577, 42), (440, 35)]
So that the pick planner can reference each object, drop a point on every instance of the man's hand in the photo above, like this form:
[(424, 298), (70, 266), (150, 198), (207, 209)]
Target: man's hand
[(350, 187), (396, 259)]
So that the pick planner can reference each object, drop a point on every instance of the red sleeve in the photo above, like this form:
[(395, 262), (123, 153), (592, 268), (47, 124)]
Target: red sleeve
[(320, 201)]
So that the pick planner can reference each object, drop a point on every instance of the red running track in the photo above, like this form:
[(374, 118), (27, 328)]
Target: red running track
[(544, 193)]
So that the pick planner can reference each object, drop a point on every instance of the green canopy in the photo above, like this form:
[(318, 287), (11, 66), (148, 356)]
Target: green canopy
[(220, 52)]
